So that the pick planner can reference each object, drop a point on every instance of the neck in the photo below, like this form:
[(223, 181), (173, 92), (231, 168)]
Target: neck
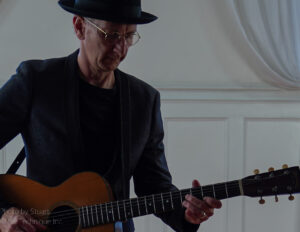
[(94, 77), (158, 203)]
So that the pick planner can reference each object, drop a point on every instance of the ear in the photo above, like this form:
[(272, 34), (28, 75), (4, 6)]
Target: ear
[(79, 27)]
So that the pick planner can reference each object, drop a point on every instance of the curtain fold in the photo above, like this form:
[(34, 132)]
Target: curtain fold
[(271, 28)]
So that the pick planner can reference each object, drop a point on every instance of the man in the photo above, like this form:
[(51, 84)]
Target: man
[(81, 113)]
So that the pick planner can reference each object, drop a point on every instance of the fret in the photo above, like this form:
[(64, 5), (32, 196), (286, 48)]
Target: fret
[(162, 200), (87, 216), (172, 204), (135, 207), (214, 191), (226, 189), (102, 216), (128, 209), (150, 205), (146, 206), (125, 215), (115, 213), (91, 209), (234, 189), (154, 204), (202, 195), (97, 216), (167, 202), (138, 205), (183, 193), (112, 210), (106, 212), (131, 207), (191, 192), (122, 210), (118, 210)]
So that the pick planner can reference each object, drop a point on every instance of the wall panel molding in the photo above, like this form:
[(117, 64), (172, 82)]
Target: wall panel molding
[(228, 111), (239, 107), (229, 95)]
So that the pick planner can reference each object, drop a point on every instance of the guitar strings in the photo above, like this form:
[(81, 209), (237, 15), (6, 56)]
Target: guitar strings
[(158, 196), (176, 195), (113, 205), (196, 190)]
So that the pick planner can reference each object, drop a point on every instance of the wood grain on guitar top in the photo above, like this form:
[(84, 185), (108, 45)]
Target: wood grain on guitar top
[(85, 188)]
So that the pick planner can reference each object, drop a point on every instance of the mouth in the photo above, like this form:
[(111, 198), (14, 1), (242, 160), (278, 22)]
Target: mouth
[(114, 57)]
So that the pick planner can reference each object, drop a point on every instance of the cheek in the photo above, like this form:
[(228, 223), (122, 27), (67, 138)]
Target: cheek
[(124, 53)]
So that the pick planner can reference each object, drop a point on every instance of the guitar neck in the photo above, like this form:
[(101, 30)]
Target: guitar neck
[(111, 212)]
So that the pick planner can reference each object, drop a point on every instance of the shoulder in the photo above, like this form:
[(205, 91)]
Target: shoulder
[(41, 66), (139, 87), (48, 69)]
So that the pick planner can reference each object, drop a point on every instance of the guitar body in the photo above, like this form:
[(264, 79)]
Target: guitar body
[(85, 203), (82, 189)]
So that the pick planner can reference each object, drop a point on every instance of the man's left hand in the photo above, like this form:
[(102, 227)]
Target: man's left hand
[(198, 211)]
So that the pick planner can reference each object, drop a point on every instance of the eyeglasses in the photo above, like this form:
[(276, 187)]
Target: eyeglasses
[(130, 38)]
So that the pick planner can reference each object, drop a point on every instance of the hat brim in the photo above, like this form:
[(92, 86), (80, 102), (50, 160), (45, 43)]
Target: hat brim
[(68, 5)]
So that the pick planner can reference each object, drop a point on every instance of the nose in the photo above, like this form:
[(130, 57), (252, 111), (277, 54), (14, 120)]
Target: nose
[(121, 44)]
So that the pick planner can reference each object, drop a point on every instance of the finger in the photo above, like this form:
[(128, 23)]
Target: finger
[(212, 202), (193, 218), (196, 205), (35, 223), (197, 212), (26, 225), (18, 230), (196, 183)]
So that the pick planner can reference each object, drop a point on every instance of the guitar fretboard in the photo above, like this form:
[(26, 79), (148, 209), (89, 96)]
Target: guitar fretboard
[(111, 212)]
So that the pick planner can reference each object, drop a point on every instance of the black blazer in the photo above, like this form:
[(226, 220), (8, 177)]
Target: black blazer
[(41, 102)]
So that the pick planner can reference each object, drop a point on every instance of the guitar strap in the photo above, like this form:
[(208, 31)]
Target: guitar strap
[(17, 162)]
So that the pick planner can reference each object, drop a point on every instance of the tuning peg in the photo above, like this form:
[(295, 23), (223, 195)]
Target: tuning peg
[(276, 198), (291, 197), (261, 201), (256, 171), (285, 166), (271, 169)]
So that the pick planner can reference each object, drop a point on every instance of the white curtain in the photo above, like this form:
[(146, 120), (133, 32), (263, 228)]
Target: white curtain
[(271, 28)]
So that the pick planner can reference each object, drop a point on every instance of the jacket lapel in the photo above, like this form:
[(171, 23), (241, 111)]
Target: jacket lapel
[(75, 144), (125, 133)]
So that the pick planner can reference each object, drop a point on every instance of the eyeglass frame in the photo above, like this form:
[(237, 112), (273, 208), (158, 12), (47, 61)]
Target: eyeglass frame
[(114, 33)]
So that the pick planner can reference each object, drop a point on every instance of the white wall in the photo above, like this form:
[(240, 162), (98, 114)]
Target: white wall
[(193, 44), (221, 119)]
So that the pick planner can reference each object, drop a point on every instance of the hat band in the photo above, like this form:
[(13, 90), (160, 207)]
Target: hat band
[(127, 11)]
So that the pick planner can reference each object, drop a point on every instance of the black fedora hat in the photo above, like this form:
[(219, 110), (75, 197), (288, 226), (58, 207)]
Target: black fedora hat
[(122, 11)]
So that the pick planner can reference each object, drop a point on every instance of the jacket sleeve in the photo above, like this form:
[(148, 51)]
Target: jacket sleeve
[(152, 174), (14, 107), (15, 98)]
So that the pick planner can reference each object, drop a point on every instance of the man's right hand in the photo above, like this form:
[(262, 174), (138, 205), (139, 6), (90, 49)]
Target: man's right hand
[(16, 220)]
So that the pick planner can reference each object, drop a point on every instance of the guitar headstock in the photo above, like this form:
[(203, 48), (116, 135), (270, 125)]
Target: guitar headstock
[(272, 183)]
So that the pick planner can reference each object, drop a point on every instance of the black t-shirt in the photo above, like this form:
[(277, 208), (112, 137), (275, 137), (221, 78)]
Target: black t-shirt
[(98, 119)]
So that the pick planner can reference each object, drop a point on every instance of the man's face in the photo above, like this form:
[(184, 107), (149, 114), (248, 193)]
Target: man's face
[(105, 54)]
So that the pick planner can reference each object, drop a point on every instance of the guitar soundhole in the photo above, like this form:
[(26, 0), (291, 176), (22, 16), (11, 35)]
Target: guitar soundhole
[(63, 219)]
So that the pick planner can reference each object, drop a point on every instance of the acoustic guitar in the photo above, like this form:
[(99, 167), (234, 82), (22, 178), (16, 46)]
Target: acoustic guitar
[(85, 202)]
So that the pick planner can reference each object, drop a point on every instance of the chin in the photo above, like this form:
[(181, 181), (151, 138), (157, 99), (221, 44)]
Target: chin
[(112, 66)]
